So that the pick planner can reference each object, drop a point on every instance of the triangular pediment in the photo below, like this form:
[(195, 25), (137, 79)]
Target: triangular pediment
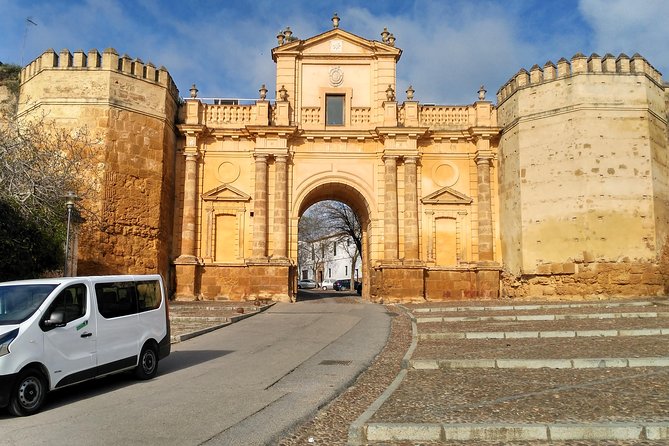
[(336, 42), (446, 195), (225, 192)]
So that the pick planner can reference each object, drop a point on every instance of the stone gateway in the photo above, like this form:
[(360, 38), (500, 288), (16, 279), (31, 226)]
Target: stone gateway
[(559, 189)]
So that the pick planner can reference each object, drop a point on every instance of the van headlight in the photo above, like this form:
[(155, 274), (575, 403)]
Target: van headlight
[(7, 339)]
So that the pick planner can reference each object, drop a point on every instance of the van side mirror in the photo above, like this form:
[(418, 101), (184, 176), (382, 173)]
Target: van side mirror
[(55, 320)]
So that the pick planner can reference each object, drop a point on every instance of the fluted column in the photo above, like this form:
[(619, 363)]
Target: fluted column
[(189, 218), (485, 235), (281, 207), (390, 209), (411, 245), (260, 207)]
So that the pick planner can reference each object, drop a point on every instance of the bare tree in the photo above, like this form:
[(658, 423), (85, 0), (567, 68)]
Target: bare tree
[(40, 162), (329, 222)]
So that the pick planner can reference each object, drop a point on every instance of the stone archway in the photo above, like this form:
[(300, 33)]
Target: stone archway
[(350, 194)]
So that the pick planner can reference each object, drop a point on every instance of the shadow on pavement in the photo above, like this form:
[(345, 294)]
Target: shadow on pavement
[(317, 294)]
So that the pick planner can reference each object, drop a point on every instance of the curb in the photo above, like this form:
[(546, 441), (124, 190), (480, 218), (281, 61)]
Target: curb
[(516, 432), (545, 334), (357, 431), (536, 306), (228, 321), (576, 363), (542, 317)]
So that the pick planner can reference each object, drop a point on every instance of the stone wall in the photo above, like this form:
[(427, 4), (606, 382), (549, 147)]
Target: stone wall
[(129, 109), (583, 175)]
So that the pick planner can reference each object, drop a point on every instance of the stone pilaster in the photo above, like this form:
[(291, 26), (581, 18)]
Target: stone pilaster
[(189, 219), (390, 231), (281, 207), (411, 245), (260, 208), (485, 235)]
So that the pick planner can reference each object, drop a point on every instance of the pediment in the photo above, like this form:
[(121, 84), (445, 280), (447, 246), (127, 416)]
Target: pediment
[(446, 195), (347, 44), (225, 192)]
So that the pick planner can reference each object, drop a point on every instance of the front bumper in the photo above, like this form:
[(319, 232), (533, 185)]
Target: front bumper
[(6, 386)]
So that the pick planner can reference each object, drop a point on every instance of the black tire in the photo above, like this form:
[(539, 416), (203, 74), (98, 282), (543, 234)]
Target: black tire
[(28, 393), (148, 363)]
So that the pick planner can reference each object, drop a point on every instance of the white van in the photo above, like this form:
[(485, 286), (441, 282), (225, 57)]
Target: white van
[(58, 332)]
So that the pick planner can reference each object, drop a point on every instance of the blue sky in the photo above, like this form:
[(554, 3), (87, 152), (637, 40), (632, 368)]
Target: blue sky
[(449, 47)]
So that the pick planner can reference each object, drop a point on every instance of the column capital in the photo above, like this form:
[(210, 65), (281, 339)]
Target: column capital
[(411, 159), (483, 157), (261, 157), (386, 158)]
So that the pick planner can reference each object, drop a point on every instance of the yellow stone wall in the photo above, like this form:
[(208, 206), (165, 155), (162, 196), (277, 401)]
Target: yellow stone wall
[(583, 163), (129, 109)]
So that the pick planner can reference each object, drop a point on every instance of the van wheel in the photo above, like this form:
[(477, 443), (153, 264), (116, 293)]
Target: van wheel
[(28, 393), (148, 363)]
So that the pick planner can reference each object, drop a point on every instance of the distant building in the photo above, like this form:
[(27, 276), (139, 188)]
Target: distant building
[(558, 189), (328, 258)]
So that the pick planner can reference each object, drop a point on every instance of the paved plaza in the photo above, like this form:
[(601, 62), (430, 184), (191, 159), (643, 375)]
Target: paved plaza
[(571, 373)]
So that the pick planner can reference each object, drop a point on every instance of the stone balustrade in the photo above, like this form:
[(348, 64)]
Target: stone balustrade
[(219, 115)]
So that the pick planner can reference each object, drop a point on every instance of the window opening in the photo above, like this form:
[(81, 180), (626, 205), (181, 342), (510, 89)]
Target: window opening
[(334, 109)]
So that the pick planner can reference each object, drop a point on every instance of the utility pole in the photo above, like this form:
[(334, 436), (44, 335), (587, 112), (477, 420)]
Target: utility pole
[(29, 21)]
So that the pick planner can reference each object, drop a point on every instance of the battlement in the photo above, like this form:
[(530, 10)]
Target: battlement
[(579, 64), (109, 60)]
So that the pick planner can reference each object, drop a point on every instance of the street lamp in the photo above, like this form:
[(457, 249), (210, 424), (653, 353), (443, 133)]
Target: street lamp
[(70, 199)]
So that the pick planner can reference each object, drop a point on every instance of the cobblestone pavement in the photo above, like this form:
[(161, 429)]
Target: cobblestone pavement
[(575, 397)]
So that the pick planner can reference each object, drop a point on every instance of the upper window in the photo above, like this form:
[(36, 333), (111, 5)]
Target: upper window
[(334, 109)]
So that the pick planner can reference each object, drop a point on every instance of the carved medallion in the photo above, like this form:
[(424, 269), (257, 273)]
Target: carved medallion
[(336, 76)]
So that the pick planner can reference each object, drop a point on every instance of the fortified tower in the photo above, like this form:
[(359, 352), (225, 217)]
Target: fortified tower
[(584, 189), (129, 108)]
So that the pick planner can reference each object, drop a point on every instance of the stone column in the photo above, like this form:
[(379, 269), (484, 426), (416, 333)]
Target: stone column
[(260, 208), (390, 210), (281, 207), (189, 222), (411, 245), (483, 160)]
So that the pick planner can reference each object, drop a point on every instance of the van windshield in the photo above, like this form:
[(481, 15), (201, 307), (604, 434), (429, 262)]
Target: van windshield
[(19, 302)]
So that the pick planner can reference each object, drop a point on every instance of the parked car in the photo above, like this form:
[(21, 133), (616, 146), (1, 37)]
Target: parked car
[(58, 332), (327, 284), (343, 284), (307, 284)]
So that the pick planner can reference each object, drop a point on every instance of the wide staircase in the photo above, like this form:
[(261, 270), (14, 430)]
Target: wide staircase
[(592, 372)]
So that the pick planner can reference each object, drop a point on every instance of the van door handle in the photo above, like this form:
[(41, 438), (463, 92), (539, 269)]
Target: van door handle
[(86, 335)]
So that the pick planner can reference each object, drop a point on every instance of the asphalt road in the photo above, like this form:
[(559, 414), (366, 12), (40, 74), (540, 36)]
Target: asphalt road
[(245, 384)]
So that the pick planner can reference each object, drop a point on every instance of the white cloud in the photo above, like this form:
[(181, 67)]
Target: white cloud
[(630, 27)]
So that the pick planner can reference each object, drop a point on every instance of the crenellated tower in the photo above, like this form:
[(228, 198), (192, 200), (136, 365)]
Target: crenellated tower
[(129, 107), (584, 187)]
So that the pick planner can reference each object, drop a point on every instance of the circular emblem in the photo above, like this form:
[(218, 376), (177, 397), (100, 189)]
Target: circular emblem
[(445, 174), (336, 76), (228, 172)]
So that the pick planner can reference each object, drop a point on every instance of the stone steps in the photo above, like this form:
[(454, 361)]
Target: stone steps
[(463, 382)]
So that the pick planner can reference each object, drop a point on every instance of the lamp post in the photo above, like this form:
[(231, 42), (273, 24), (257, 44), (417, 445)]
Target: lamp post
[(70, 199)]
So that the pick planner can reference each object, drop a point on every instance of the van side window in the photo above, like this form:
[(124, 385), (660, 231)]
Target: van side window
[(71, 302), (148, 295), (116, 299)]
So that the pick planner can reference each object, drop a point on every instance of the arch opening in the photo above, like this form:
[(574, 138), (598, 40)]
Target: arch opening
[(334, 194)]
